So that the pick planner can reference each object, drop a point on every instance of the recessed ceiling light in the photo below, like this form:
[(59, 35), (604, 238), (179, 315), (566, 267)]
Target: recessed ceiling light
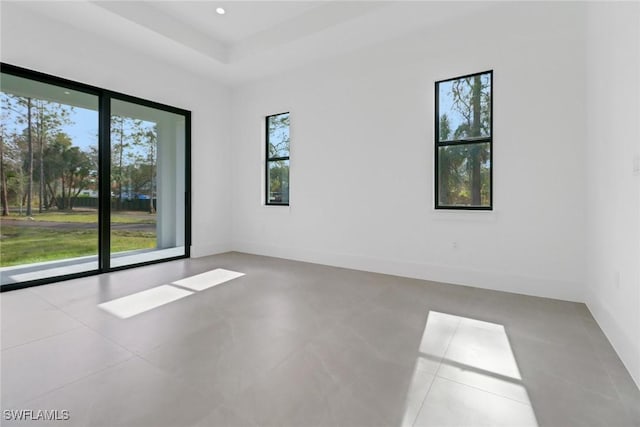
[(220, 11), (66, 92)]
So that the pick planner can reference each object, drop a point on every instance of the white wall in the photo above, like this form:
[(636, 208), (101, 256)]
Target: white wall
[(613, 145), (362, 153), (362, 157), (56, 48)]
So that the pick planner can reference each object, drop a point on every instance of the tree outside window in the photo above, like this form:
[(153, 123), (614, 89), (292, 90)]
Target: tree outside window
[(277, 164), (464, 140)]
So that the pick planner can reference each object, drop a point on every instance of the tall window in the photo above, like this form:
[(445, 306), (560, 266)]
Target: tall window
[(90, 180), (277, 159), (464, 139)]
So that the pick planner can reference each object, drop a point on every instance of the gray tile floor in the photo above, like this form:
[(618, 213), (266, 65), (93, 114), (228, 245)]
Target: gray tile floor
[(300, 344)]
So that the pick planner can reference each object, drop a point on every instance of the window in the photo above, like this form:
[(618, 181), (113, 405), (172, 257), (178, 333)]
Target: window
[(277, 159), (90, 180), (464, 142)]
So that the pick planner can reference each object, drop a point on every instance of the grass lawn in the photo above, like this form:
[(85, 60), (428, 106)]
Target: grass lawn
[(25, 245), (128, 217)]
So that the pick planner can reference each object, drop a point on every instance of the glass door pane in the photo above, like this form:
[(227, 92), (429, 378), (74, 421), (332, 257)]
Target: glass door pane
[(48, 181), (147, 184)]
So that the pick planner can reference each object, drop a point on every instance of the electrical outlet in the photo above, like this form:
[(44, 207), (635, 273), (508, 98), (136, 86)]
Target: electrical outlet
[(454, 245)]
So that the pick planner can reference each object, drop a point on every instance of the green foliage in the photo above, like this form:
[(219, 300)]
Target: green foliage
[(71, 166), (279, 181), (279, 135), (445, 128), (134, 158), (464, 169), (43, 167), (38, 158), (455, 174)]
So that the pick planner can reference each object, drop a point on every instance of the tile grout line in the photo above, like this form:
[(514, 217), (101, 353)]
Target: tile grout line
[(132, 351), (602, 358), (435, 375), (486, 391), (46, 301), (574, 384), (75, 327), (97, 332), (24, 402), (82, 324), (602, 363)]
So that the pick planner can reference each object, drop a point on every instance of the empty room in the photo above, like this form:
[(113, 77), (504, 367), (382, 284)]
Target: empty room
[(320, 213)]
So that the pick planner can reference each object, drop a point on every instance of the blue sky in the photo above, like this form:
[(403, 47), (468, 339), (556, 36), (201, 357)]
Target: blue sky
[(83, 128), (446, 103), (84, 131), (445, 99)]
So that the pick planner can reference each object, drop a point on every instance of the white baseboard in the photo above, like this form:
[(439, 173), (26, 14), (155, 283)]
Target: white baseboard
[(535, 286), (199, 251), (627, 347)]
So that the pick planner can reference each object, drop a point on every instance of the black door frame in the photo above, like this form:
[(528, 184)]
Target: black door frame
[(104, 165)]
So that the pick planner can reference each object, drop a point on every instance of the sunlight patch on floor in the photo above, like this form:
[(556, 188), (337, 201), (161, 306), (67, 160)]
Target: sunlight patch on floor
[(475, 376), (140, 302), (208, 280)]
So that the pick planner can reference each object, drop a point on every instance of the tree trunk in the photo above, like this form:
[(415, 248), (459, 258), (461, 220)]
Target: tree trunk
[(41, 159), (51, 197), (3, 179), (62, 205), (119, 204), (69, 188), (41, 186), (152, 208), (69, 202), (30, 145), (443, 177), (39, 108), (75, 196), (476, 181)]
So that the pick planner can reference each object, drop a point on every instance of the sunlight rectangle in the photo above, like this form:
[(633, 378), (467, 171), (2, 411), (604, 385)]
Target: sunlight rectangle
[(475, 368), (140, 302), (208, 280), (437, 335), (480, 355)]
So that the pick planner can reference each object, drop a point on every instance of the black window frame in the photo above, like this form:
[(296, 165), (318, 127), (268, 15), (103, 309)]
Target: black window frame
[(456, 142), (104, 160), (274, 159)]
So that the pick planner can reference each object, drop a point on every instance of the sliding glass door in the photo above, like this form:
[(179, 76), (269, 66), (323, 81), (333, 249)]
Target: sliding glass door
[(147, 184), (90, 180), (49, 181)]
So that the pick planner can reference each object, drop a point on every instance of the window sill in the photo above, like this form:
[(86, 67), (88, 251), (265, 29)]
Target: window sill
[(464, 215), (277, 208)]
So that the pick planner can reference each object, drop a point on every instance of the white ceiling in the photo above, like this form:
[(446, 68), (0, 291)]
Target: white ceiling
[(242, 18), (254, 38)]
